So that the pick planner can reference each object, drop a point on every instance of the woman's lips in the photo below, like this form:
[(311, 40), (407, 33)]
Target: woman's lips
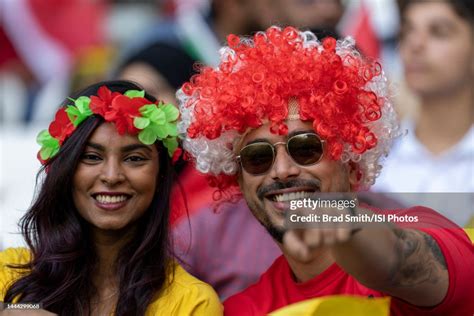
[(111, 201), (111, 206)]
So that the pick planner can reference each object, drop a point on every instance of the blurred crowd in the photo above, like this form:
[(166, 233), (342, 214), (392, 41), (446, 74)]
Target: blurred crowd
[(52, 48)]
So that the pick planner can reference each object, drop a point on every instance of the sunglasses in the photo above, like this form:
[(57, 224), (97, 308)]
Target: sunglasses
[(304, 149)]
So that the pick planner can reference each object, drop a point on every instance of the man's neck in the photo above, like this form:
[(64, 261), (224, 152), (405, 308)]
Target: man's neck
[(445, 119), (303, 272)]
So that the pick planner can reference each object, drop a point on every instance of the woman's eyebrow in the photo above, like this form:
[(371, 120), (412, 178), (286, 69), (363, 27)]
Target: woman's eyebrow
[(126, 148), (133, 147), (95, 146)]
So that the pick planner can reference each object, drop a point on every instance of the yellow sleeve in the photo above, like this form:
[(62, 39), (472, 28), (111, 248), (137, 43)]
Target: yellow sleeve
[(186, 295), (7, 274)]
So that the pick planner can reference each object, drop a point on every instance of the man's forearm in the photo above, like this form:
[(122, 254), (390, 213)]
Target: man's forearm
[(404, 263), (369, 255)]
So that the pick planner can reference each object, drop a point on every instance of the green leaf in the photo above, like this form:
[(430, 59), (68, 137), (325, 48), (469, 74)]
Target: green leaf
[(147, 136), (82, 104), (49, 150), (147, 109), (171, 112), (43, 136), (159, 130), (80, 112), (135, 93), (46, 153), (141, 122), (171, 143), (72, 112), (158, 116), (76, 116), (171, 129)]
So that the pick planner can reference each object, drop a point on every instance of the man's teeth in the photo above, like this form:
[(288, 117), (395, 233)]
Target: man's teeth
[(285, 197), (110, 199)]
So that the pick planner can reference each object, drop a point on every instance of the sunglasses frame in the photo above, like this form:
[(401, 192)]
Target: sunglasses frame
[(273, 147)]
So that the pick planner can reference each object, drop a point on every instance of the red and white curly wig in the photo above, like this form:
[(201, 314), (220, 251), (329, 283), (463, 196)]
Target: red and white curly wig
[(343, 94)]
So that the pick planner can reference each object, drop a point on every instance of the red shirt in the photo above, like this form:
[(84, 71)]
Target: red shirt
[(276, 288)]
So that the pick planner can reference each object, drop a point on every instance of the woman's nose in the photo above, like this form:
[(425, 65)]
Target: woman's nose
[(112, 172)]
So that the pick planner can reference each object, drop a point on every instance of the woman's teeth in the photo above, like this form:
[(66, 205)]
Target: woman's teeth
[(105, 199), (285, 197)]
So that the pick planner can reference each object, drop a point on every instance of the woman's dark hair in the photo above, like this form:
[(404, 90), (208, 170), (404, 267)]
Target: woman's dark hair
[(63, 256), (463, 8)]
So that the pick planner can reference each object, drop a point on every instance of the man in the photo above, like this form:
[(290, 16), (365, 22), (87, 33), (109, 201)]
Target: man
[(437, 50), (285, 117), (205, 242)]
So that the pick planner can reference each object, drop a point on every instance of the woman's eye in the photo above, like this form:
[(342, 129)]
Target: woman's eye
[(135, 158), (91, 157)]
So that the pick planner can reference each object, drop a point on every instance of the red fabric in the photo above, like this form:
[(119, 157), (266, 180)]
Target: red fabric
[(277, 289)]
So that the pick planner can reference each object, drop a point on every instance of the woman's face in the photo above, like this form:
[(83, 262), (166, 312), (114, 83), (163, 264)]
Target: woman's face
[(437, 48), (115, 180)]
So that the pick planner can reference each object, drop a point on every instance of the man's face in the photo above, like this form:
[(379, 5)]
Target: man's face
[(437, 48), (268, 195)]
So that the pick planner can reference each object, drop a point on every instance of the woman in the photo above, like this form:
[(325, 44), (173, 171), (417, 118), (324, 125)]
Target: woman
[(98, 230)]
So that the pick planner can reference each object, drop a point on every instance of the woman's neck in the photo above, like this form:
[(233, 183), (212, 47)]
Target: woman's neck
[(108, 244), (445, 119)]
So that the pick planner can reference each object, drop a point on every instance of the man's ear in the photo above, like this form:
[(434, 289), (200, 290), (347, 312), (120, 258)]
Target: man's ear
[(354, 175)]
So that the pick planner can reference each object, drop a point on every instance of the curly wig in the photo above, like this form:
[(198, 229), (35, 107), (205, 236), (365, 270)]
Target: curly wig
[(343, 94)]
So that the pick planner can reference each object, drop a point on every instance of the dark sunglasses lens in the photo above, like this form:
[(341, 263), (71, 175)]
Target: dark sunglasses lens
[(305, 149), (257, 158)]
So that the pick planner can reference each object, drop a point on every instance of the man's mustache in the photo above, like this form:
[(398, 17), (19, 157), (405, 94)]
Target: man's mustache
[(280, 185)]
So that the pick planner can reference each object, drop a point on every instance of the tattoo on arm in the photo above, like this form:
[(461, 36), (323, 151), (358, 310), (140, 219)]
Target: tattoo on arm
[(435, 250), (420, 259)]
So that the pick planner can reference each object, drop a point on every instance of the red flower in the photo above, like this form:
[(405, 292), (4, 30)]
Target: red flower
[(100, 104), (122, 112), (61, 127), (176, 155)]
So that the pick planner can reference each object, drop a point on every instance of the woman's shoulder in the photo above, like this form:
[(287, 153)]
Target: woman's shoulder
[(14, 256), (8, 257), (184, 294)]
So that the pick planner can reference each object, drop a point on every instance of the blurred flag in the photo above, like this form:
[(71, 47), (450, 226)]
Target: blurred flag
[(359, 25), (47, 35)]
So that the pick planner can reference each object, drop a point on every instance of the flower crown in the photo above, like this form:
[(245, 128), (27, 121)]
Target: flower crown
[(131, 113)]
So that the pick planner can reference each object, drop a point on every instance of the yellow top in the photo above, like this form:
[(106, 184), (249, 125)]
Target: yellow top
[(186, 295)]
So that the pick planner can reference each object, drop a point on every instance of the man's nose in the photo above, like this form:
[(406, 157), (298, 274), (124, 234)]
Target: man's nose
[(284, 167)]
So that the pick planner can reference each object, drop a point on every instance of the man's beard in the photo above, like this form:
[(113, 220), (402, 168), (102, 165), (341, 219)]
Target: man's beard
[(260, 213), (276, 232)]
